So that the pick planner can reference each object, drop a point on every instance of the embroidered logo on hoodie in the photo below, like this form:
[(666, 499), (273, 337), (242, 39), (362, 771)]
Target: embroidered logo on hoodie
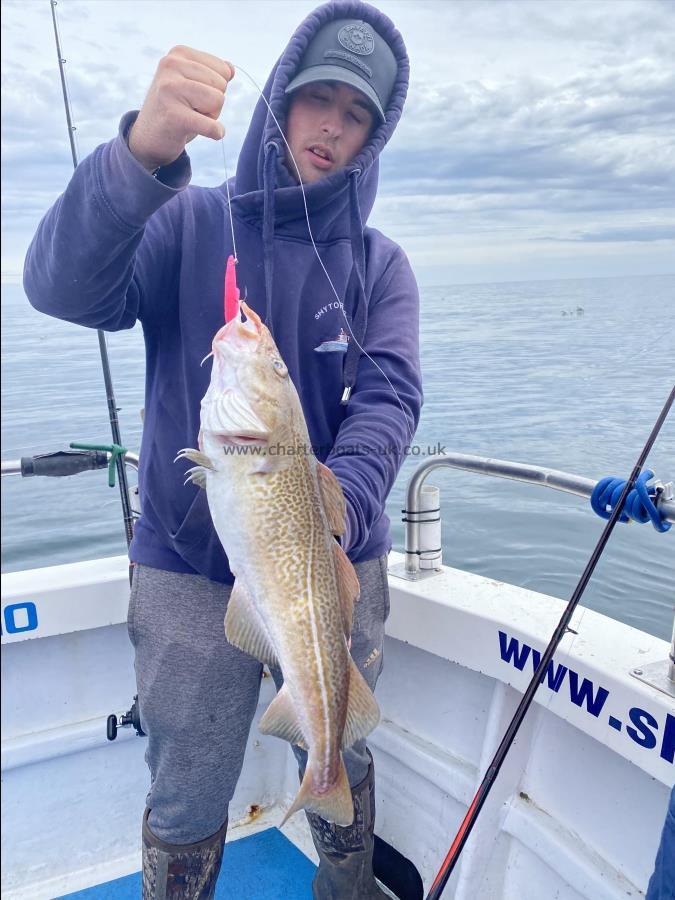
[(337, 345)]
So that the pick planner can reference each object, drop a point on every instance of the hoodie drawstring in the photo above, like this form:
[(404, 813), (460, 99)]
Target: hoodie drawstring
[(359, 312), (360, 308), (269, 185)]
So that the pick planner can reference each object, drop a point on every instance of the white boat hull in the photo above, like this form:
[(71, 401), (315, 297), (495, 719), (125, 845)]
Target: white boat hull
[(575, 813)]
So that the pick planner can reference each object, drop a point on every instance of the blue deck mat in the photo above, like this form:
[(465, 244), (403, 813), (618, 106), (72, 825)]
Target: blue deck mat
[(264, 866)]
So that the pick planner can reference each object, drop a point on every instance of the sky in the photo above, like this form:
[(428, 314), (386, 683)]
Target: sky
[(537, 142)]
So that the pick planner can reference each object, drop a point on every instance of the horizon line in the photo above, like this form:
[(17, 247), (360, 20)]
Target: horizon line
[(15, 277)]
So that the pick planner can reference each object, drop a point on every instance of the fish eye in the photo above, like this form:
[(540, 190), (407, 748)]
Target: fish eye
[(280, 368)]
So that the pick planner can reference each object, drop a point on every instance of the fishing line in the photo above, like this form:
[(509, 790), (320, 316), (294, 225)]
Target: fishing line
[(316, 251), (229, 207), (562, 628)]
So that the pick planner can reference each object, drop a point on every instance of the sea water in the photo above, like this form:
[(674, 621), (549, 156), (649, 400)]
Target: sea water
[(567, 374)]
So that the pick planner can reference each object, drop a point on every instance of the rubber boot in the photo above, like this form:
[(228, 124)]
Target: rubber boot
[(181, 872), (346, 854)]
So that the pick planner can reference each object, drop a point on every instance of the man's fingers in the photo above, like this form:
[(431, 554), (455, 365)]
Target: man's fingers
[(221, 66), (202, 98), (185, 99), (195, 123), (195, 71)]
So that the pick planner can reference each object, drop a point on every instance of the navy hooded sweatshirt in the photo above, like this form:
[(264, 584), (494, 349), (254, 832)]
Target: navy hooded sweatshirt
[(121, 246)]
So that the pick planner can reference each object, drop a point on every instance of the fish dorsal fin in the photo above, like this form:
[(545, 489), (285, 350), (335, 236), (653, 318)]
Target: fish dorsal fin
[(281, 719), (348, 586), (363, 713), (333, 499), (245, 629)]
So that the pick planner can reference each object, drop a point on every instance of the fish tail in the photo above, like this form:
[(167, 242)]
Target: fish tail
[(334, 805)]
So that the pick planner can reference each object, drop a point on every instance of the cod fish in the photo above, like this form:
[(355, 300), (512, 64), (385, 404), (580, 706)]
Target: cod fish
[(276, 510)]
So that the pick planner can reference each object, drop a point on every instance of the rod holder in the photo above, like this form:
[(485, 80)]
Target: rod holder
[(430, 551)]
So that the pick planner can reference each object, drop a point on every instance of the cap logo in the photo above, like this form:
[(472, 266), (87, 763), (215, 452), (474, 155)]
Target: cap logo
[(350, 58), (357, 39)]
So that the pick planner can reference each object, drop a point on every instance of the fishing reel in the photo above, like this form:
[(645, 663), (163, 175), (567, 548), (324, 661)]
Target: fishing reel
[(131, 717)]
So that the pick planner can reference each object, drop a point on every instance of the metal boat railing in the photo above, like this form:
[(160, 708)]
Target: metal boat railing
[(422, 518)]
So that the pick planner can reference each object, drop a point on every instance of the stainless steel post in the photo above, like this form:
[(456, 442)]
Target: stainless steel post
[(413, 510), (552, 478)]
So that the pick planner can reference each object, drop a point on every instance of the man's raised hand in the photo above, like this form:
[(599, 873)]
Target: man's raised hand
[(185, 99)]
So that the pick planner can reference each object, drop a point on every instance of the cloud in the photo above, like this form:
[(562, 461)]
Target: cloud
[(527, 124), (535, 160), (665, 232)]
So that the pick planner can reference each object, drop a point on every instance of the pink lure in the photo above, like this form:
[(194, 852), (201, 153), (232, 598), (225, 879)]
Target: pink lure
[(231, 291)]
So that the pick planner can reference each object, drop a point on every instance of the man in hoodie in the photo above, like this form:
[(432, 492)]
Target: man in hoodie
[(130, 241)]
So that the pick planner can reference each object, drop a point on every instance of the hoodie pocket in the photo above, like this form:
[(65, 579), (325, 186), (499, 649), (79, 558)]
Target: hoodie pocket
[(195, 526), (197, 543)]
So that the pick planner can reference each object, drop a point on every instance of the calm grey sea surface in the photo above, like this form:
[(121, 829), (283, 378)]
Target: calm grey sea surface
[(565, 374)]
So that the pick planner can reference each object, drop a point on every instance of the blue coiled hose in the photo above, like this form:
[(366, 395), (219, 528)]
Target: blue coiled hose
[(639, 506)]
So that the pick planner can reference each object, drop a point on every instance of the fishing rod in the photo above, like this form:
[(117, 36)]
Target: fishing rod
[(490, 776), (107, 376)]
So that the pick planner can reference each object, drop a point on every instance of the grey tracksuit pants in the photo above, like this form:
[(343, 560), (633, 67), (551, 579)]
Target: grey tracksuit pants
[(198, 694)]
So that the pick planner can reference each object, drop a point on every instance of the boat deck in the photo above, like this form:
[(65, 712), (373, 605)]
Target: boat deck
[(262, 866)]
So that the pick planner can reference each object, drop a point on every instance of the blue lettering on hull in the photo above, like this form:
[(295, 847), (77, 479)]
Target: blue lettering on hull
[(513, 651), (668, 742), (642, 733), (19, 617), (643, 728), (554, 678)]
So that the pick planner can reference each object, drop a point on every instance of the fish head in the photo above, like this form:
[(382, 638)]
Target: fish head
[(250, 395)]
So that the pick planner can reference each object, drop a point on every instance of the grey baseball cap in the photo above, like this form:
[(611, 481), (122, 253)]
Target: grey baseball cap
[(352, 52)]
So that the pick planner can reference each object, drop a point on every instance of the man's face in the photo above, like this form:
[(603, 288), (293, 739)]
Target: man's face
[(328, 123)]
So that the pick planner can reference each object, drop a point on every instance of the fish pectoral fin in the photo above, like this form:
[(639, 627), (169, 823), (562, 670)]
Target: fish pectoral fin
[(348, 586), (245, 629), (335, 805), (333, 499), (363, 713), (197, 475), (281, 719), (195, 456)]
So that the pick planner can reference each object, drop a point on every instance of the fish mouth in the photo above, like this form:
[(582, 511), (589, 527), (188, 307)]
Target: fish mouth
[(252, 316), (228, 439), (241, 336)]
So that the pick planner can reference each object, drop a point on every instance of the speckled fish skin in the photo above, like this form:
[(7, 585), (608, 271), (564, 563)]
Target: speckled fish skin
[(276, 509)]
